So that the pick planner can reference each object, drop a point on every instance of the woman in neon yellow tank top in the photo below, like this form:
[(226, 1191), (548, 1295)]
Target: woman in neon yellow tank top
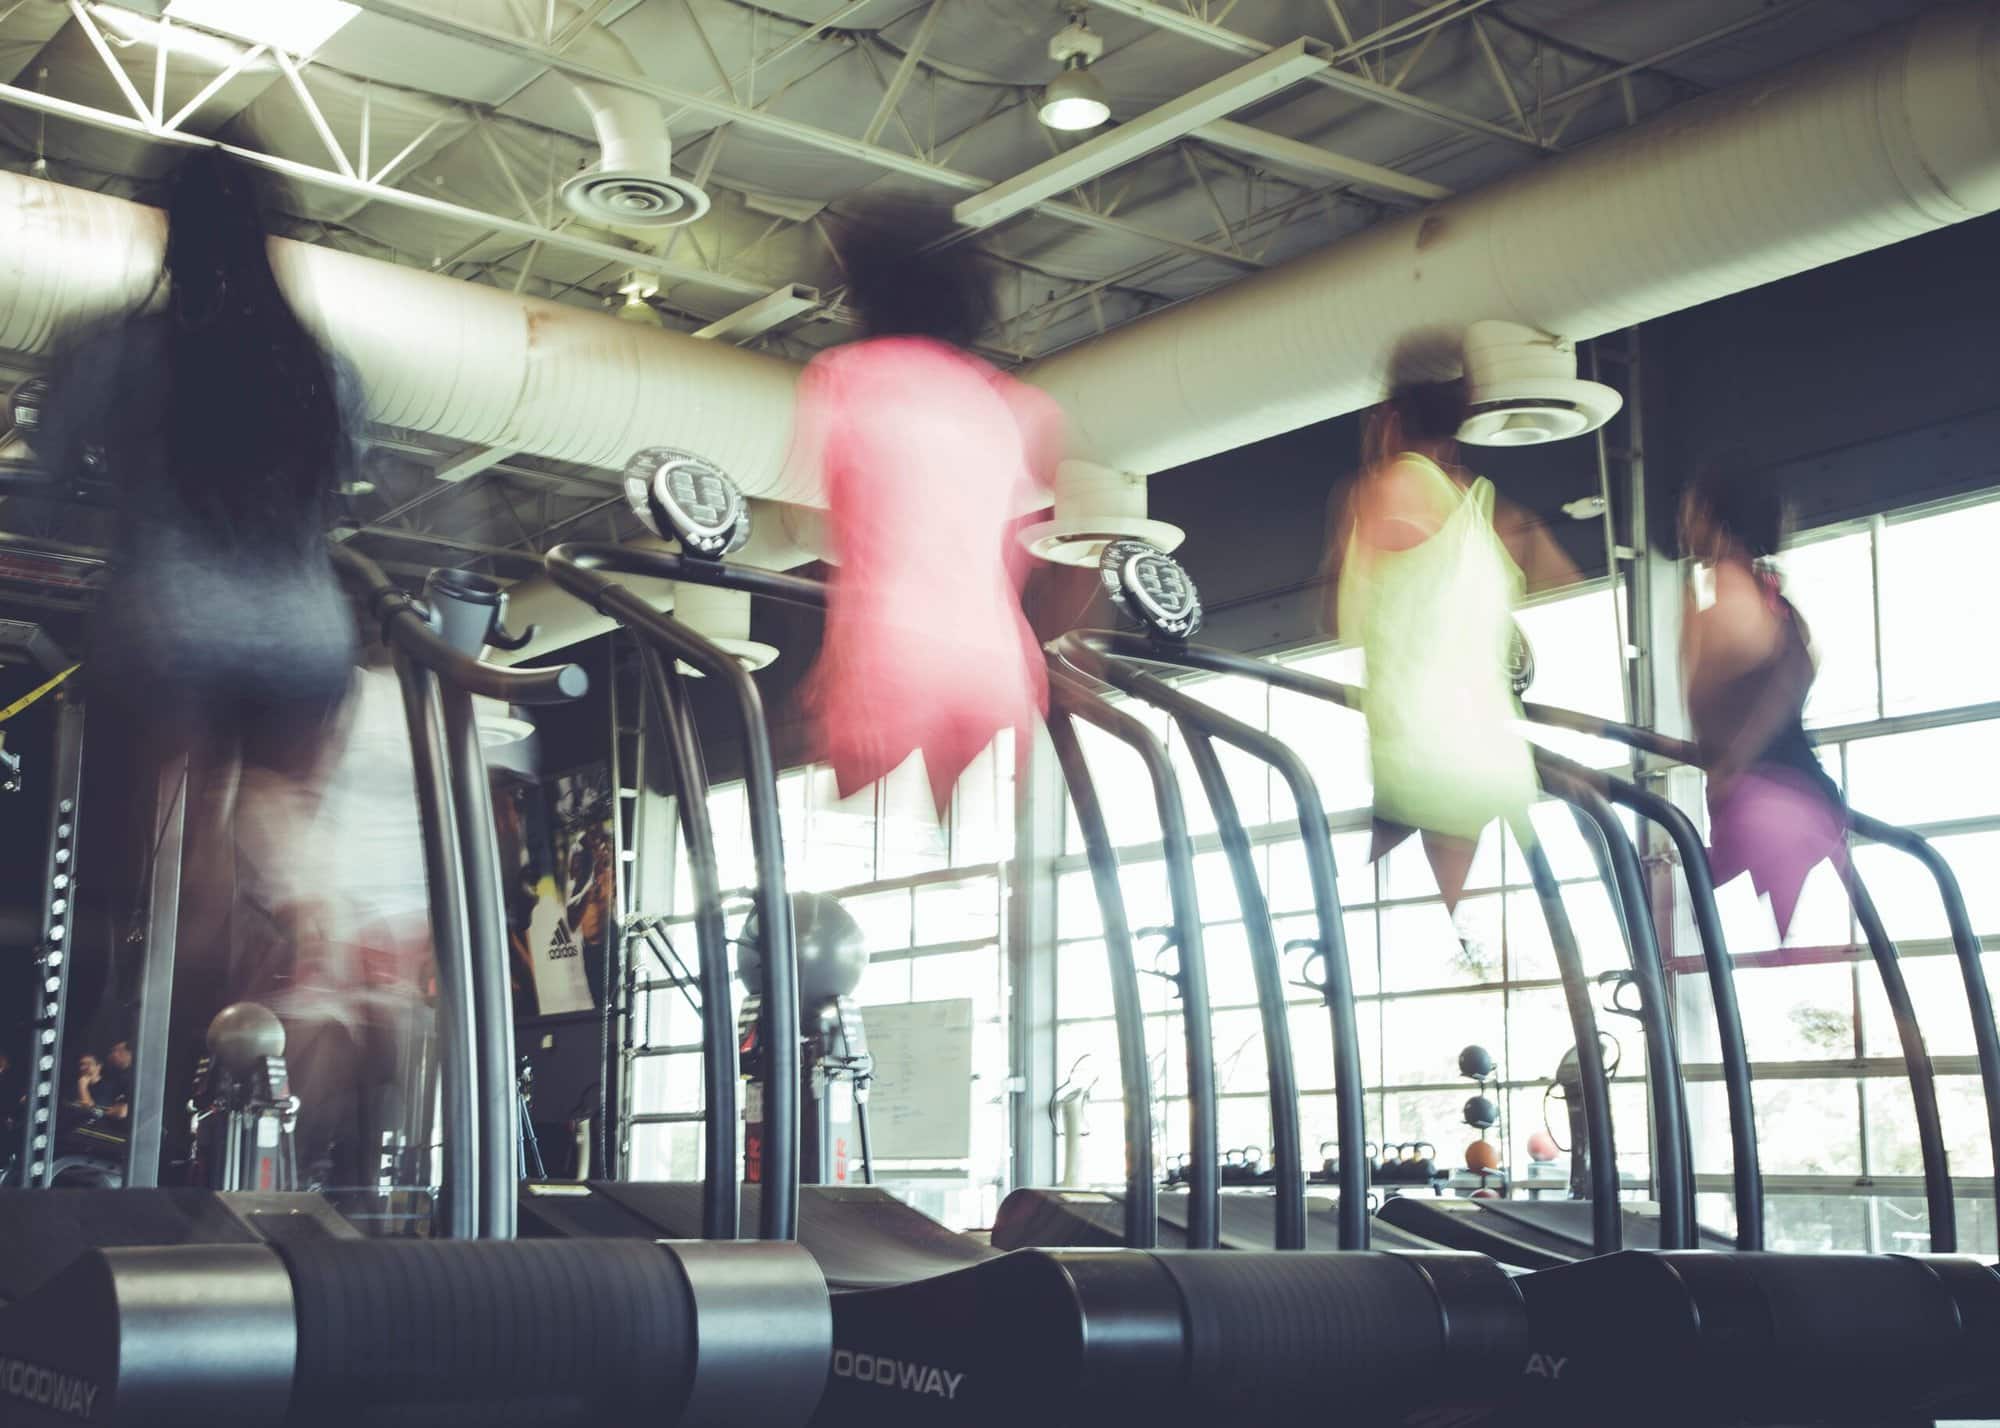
[(1427, 587)]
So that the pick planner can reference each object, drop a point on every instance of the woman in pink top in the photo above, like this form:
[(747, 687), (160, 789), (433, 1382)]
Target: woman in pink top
[(927, 455)]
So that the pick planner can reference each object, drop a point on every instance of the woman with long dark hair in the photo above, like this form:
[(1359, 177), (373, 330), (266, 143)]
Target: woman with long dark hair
[(1747, 667), (224, 427), (221, 649), (927, 454)]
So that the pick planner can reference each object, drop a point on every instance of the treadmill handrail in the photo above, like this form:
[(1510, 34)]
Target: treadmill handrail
[(1746, 1170), (1069, 701), (721, 1192), (1191, 964), (1267, 972), (481, 1124), (581, 570), (1090, 651), (1607, 1226), (1882, 948), (404, 625), (1673, 1177)]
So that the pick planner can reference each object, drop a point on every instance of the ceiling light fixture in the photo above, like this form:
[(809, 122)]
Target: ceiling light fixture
[(637, 291), (1075, 98), (298, 27)]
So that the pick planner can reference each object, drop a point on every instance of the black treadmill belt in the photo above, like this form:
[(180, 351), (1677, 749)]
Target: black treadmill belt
[(1050, 1218), (43, 1231), (1529, 1234), (1571, 1220), (862, 1236)]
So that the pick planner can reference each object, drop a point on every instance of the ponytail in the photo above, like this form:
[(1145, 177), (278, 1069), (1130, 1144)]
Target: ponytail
[(254, 436)]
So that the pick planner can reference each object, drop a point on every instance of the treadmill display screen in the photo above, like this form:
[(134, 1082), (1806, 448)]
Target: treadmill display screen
[(689, 499), (1152, 586)]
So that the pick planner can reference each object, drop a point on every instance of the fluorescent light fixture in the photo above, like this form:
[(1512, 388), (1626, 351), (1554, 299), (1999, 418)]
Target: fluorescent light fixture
[(771, 310), (298, 27), (1074, 100), (1266, 75), (1289, 153)]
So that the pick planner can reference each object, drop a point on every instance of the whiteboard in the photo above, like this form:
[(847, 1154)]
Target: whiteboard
[(920, 1105)]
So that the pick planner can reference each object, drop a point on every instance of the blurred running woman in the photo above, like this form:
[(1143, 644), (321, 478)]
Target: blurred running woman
[(927, 453), (1747, 668), (1427, 587)]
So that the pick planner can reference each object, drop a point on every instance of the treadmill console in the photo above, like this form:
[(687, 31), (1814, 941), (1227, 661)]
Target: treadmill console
[(1151, 586), (689, 499)]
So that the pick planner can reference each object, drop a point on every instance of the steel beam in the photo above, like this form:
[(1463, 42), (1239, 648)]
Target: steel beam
[(806, 135), (637, 258), (769, 311), (1193, 28), (900, 80), (1266, 75), (1287, 153)]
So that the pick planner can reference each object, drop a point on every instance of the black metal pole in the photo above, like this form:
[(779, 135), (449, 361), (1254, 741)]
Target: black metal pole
[(1128, 1013), (579, 569), (1115, 658), (721, 1193), (1672, 1176), (1693, 856), (1972, 969), (1289, 1231), (451, 939), (1191, 970), (43, 1065), (156, 979), (492, 991), (1943, 1213)]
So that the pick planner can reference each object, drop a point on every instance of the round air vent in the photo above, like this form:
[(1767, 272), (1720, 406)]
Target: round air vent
[(1081, 540), (1095, 506), (1522, 388), (630, 199)]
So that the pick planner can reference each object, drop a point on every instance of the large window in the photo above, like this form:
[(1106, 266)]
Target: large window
[(1430, 984), (1896, 607), (931, 903)]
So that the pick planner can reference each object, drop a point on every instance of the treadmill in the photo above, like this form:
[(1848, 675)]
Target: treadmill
[(970, 1336), (1285, 1217), (181, 1306), (1678, 1335)]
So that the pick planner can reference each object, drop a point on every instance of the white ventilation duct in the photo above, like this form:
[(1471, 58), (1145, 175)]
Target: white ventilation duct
[(1096, 505), (1880, 140), (458, 360)]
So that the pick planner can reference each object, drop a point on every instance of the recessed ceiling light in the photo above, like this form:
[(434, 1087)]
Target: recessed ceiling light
[(298, 27)]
